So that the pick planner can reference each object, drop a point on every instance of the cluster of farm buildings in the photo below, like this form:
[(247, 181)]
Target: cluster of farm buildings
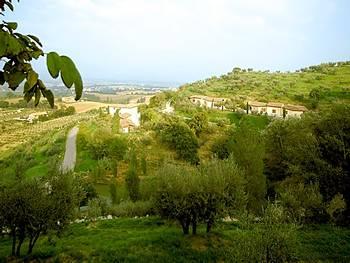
[(273, 109)]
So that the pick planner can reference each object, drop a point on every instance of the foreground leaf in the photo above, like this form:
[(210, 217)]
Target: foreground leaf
[(69, 72), (32, 78), (53, 62)]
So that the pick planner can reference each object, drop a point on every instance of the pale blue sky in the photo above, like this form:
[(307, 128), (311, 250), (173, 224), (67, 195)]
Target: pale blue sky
[(187, 40)]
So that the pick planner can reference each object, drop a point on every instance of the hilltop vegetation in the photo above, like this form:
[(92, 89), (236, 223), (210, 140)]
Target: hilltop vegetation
[(322, 84)]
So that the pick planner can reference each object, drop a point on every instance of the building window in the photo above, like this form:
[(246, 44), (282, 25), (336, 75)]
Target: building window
[(273, 111)]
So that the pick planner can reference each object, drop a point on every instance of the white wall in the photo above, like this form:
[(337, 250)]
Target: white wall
[(135, 115), (295, 114), (112, 110), (278, 111)]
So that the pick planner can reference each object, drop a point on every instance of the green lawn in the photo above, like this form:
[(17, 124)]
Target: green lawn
[(155, 240)]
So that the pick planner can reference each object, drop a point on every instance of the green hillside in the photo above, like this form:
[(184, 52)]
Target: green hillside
[(313, 86)]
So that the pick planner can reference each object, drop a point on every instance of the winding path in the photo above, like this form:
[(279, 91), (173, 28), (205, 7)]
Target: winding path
[(71, 151)]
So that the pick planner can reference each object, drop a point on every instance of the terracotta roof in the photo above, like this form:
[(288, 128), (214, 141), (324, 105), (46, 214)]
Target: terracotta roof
[(275, 104), (295, 108), (125, 115), (257, 104), (126, 123), (208, 98)]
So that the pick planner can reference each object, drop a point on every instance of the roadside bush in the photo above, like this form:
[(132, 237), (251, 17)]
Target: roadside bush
[(132, 209)]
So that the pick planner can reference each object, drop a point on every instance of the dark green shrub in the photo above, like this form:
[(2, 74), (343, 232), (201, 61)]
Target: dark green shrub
[(177, 135), (132, 179)]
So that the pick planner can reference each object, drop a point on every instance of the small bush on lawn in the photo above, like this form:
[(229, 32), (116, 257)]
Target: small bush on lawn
[(270, 240), (131, 209)]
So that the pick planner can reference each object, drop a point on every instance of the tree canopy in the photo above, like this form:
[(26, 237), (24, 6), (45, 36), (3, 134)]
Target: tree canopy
[(17, 52)]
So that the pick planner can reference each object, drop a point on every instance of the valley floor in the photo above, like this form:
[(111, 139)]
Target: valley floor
[(154, 240)]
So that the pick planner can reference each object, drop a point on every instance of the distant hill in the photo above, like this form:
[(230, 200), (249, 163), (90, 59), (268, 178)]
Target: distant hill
[(313, 86)]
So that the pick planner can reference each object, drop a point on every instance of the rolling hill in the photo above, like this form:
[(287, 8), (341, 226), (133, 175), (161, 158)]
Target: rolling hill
[(314, 86)]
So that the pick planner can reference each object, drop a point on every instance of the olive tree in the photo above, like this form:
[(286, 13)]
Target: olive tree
[(200, 195), (30, 208)]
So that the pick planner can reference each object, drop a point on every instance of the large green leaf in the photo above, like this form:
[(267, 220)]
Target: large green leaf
[(15, 78), (41, 85), (29, 95), (12, 25), (78, 85), (69, 72), (3, 43), (26, 87), (35, 39), (53, 62), (49, 96), (37, 96), (14, 46), (32, 78)]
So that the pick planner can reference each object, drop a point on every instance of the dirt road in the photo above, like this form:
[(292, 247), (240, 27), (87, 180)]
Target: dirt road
[(71, 151)]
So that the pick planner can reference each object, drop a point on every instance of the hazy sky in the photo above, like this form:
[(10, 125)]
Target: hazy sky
[(186, 40)]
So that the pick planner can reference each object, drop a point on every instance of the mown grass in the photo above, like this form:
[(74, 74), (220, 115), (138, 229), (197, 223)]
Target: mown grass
[(155, 240)]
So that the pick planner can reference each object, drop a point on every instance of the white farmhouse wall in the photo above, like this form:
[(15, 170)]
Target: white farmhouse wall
[(293, 114), (135, 115), (274, 111)]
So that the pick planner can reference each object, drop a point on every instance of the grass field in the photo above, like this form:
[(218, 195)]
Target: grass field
[(154, 240)]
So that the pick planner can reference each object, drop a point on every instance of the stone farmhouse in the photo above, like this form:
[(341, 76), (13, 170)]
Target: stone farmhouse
[(275, 109), (129, 118), (208, 102)]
